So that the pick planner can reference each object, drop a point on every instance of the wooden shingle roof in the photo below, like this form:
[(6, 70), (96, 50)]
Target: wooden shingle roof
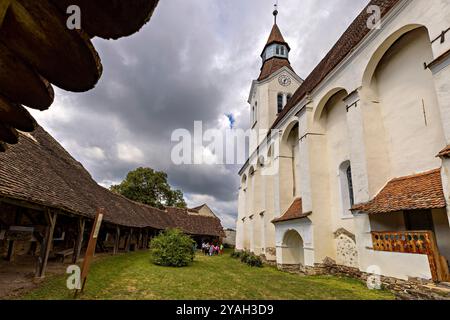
[(38, 170), (38, 50)]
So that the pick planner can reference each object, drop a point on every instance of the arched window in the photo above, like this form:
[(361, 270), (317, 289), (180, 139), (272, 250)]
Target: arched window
[(346, 186), (350, 185), (280, 102)]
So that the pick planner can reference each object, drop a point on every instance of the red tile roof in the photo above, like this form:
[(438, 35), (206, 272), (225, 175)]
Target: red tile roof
[(344, 46), (420, 191), (294, 212), (273, 65), (40, 171), (276, 37)]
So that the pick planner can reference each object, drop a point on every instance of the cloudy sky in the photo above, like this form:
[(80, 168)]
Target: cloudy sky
[(194, 61)]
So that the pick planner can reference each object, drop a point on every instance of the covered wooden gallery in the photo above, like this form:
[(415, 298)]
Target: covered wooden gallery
[(39, 50), (48, 202)]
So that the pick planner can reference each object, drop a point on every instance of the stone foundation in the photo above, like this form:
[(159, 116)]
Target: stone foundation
[(413, 289)]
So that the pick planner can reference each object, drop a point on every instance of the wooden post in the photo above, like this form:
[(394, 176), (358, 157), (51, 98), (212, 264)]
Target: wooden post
[(140, 240), (129, 238), (117, 241), (91, 248), (11, 247), (12, 243), (79, 241), (47, 244)]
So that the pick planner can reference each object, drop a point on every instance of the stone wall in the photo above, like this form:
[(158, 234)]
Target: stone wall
[(413, 289)]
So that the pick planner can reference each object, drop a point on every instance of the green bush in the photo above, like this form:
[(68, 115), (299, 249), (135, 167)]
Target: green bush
[(172, 248), (236, 254), (254, 261), (244, 256), (247, 257)]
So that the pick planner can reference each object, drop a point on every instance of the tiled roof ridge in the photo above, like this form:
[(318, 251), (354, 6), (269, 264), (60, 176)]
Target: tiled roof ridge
[(416, 175)]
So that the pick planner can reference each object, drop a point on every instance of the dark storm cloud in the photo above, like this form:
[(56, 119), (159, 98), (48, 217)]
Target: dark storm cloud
[(194, 61)]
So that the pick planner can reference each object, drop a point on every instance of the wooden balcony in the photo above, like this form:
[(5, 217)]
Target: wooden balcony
[(414, 242)]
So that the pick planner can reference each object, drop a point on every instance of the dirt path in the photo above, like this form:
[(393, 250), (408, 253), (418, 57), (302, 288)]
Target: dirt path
[(17, 277)]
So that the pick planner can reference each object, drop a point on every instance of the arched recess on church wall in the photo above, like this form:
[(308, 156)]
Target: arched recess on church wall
[(293, 252), (289, 165), (333, 147), (400, 109), (318, 111)]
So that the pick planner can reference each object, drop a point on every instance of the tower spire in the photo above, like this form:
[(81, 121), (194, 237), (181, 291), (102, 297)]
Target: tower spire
[(275, 12)]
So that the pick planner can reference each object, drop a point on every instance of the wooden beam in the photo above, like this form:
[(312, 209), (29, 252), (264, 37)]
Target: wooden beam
[(11, 247), (45, 248), (128, 244), (79, 241), (117, 241), (139, 240), (12, 243), (4, 6)]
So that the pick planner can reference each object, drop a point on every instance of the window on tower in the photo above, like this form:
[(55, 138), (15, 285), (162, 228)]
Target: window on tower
[(282, 50), (278, 49), (280, 102)]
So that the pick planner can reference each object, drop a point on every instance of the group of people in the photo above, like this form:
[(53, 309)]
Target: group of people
[(209, 249)]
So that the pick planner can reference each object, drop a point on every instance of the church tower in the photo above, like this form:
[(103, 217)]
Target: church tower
[(269, 94), (275, 85)]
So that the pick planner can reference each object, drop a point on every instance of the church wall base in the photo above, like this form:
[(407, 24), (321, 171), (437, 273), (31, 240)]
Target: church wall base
[(413, 289)]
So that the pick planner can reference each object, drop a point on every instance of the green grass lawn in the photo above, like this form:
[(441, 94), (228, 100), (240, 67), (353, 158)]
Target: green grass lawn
[(132, 276)]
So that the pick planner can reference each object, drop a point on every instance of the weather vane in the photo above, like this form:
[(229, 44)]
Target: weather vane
[(275, 12)]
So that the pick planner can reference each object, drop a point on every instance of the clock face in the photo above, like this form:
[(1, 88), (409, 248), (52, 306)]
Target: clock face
[(284, 80)]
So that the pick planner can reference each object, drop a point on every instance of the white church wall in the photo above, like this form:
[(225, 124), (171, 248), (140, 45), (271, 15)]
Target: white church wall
[(408, 103)]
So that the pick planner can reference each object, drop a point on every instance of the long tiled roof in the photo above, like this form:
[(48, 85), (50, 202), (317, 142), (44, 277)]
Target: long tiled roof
[(344, 46), (294, 212), (420, 191), (39, 170)]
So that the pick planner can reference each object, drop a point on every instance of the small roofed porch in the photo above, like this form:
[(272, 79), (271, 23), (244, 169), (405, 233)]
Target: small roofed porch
[(294, 239), (404, 231)]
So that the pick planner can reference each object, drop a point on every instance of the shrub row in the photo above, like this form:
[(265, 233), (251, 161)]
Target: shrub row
[(248, 257)]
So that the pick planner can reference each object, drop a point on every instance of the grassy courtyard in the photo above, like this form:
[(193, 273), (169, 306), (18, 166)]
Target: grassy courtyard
[(132, 276)]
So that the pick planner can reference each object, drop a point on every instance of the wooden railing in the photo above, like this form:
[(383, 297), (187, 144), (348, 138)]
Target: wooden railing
[(414, 242)]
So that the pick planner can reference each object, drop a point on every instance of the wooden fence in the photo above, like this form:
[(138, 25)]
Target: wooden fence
[(414, 242)]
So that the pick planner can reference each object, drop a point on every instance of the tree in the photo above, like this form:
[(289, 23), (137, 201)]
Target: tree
[(150, 187)]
